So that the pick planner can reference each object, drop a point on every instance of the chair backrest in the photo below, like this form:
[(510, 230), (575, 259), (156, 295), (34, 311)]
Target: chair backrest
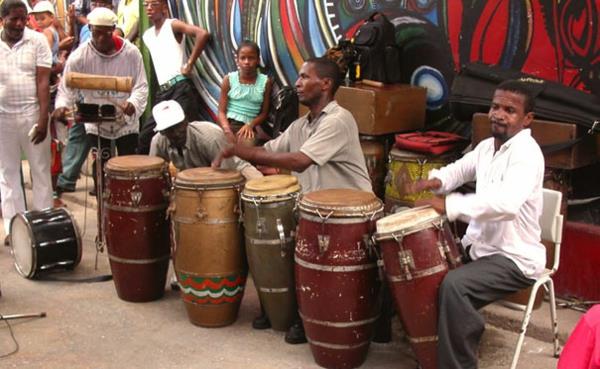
[(551, 222)]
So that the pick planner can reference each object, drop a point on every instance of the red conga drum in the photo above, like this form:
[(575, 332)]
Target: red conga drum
[(336, 274), (417, 248), (137, 232)]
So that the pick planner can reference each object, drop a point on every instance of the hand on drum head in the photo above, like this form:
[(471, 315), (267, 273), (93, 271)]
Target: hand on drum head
[(438, 203), (422, 185)]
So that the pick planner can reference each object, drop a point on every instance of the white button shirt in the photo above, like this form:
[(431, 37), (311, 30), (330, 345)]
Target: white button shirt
[(505, 210)]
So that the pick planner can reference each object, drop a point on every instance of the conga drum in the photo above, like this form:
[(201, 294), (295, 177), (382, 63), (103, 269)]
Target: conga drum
[(336, 274), (136, 197), (44, 240), (373, 149), (417, 248), (270, 227), (209, 255), (407, 167)]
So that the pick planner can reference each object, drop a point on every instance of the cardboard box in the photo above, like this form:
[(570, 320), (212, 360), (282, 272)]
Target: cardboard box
[(387, 109), (548, 133)]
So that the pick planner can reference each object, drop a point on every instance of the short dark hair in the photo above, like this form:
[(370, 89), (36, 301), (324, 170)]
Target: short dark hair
[(520, 88), (327, 68), (250, 44), (9, 5)]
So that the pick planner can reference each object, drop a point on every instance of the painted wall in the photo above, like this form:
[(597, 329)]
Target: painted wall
[(557, 40)]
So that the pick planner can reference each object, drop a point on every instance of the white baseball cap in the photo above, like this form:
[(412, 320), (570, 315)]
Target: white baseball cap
[(102, 17), (43, 7), (167, 114)]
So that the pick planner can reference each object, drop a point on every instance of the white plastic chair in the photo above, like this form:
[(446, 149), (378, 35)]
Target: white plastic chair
[(551, 223)]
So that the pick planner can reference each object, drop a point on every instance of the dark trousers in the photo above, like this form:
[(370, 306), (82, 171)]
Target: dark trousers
[(463, 291), (186, 95), (126, 145)]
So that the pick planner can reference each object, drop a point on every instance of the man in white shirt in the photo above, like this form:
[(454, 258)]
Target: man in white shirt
[(25, 61), (503, 237)]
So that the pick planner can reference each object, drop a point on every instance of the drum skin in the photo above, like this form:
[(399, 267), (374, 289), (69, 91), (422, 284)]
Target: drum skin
[(428, 253), (336, 287), (53, 237), (209, 257), (374, 153), (407, 167), (270, 256), (136, 228)]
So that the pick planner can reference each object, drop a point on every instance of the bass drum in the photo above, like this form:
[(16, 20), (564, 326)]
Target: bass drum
[(44, 240)]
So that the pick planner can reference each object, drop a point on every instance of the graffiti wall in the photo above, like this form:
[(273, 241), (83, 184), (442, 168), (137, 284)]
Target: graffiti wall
[(557, 40)]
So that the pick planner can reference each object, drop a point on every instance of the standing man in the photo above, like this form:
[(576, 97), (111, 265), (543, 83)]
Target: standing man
[(25, 65), (504, 252), (108, 55), (166, 42), (321, 148)]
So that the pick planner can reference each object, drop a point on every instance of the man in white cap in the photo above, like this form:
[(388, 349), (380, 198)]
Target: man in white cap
[(24, 97), (193, 144), (108, 55)]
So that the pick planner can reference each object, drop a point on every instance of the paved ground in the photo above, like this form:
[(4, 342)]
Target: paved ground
[(88, 326)]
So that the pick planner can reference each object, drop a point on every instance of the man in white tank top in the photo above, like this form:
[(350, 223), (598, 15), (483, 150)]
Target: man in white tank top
[(166, 42)]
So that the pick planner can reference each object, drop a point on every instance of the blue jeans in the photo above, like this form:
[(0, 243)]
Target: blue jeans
[(74, 156)]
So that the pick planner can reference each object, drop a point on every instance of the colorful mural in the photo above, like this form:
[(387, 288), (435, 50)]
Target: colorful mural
[(557, 40)]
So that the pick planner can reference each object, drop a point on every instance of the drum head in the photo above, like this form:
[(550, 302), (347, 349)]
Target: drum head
[(341, 203), (134, 163), (275, 185), (22, 245), (207, 176), (411, 156), (406, 221)]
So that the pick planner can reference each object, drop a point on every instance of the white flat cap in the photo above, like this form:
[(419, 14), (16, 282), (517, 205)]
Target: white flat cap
[(43, 7), (102, 17), (167, 114)]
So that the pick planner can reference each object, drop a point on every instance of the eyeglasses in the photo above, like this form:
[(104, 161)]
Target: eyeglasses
[(152, 4)]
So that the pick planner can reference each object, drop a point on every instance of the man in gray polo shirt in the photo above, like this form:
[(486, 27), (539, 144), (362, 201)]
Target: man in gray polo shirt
[(321, 148)]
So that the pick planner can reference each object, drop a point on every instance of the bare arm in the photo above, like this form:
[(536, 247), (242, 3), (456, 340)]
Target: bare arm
[(133, 34), (201, 36), (295, 161), (223, 101), (42, 77)]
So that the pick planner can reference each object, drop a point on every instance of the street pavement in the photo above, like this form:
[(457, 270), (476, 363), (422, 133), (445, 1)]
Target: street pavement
[(88, 326)]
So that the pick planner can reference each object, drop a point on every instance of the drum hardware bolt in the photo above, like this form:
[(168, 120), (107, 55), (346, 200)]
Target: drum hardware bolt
[(281, 232), (200, 213), (166, 194), (407, 262), (260, 225), (136, 194), (323, 242), (106, 194)]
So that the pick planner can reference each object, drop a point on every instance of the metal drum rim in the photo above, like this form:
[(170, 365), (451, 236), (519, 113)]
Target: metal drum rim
[(31, 273)]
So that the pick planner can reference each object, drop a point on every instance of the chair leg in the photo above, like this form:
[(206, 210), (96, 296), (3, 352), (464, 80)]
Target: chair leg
[(554, 321), (524, 324)]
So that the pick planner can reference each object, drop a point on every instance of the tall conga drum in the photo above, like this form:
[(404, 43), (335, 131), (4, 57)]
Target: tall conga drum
[(373, 149), (407, 167), (136, 197), (417, 248), (336, 274), (270, 227), (209, 256)]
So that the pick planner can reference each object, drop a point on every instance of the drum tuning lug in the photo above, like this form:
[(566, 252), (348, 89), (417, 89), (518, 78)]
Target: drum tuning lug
[(106, 194), (166, 194), (281, 232), (323, 242), (260, 225), (136, 197), (407, 262)]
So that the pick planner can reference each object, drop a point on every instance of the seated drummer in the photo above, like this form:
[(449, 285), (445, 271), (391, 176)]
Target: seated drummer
[(321, 148), (503, 237), (191, 144)]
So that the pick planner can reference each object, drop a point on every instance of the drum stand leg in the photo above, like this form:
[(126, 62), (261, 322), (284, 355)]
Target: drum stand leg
[(99, 196), (22, 316)]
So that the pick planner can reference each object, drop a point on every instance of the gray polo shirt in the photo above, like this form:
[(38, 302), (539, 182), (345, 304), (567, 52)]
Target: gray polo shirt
[(204, 142), (331, 141)]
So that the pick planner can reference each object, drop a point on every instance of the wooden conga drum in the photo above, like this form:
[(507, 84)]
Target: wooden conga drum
[(373, 149), (418, 249), (336, 274), (209, 255), (270, 227), (407, 167), (136, 197)]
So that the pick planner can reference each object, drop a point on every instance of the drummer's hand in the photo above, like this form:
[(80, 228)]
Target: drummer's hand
[(227, 152), (436, 202), (128, 108), (422, 185)]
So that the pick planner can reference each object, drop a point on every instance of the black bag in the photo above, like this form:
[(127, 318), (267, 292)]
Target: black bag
[(283, 111), (377, 55), (473, 90)]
